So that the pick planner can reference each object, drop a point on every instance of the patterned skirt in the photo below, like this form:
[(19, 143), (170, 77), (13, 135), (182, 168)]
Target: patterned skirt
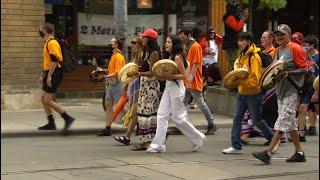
[(147, 107)]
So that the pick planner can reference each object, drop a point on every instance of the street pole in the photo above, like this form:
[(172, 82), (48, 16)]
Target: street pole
[(120, 12)]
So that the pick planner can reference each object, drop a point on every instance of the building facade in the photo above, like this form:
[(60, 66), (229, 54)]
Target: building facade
[(88, 26)]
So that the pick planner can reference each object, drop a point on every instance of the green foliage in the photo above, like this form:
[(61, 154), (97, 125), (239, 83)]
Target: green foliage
[(271, 4)]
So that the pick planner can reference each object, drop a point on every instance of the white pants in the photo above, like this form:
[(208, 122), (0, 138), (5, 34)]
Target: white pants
[(172, 102)]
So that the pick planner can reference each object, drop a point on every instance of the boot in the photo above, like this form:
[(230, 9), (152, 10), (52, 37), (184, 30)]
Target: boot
[(68, 121), (50, 126)]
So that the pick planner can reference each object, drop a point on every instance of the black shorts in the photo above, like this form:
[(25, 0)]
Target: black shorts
[(56, 80)]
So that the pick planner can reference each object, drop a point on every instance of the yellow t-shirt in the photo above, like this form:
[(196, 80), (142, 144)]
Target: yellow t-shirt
[(117, 61), (54, 49)]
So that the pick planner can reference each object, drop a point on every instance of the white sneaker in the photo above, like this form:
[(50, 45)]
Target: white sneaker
[(275, 148), (153, 150), (197, 147), (231, 150)]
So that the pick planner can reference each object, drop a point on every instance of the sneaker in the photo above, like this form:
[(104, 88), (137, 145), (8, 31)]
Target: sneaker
[(275, 148), (232, 150), (193, 105), (48, 127), (104, 132), (211, 129), (154, 150), (262, 156), (297, 158), (197, 147), (312, 131)]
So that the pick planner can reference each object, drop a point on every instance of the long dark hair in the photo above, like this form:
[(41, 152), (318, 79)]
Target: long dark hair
[(120, 41), (152, 45), (177, 49)]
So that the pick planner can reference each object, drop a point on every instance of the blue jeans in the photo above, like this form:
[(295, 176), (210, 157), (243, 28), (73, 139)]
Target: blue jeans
[(253, 104), (197, 95)]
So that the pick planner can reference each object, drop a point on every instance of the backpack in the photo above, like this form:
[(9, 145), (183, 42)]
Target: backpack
[(69, 61), (266, 59)]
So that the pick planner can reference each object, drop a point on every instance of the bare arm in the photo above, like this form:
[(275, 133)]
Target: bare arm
[(181, 70), (154, 57), (193, 72)]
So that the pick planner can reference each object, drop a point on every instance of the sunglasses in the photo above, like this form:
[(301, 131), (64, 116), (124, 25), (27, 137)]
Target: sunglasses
[(133, 42)]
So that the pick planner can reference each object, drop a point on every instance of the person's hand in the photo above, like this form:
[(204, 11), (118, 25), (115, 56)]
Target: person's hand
[(189, 86), (280, 75), (49, 81), (314, 97), (130, 74), (40, 82), (236, 82), (245, 13), (189, 77), (166, 75), (99, 69)]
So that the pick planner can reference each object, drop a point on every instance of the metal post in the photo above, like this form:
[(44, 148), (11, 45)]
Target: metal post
[(120, 11)]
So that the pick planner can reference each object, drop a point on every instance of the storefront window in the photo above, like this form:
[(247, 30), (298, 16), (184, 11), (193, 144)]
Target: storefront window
[(96, 25)]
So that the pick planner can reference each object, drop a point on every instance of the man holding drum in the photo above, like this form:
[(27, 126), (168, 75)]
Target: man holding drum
[(295, 66), (250, 94), (114, 90)]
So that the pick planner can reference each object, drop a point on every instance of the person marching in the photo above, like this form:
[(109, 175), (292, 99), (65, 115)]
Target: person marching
[(295, 66), (194, 82), (51, 78), (114, 90), (133, 92), (249, 92), (149, 91), (172, 102)]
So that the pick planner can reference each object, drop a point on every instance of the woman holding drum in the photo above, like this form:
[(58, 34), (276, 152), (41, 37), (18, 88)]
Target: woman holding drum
[(149, 91), (126, 76), (172, 98)]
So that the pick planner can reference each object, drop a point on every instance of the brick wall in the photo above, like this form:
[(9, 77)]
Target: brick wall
[(21, 46), (20, 43)]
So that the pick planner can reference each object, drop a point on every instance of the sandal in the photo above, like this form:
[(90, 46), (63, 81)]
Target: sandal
[(244, 142), (139, 147), (122, 139)]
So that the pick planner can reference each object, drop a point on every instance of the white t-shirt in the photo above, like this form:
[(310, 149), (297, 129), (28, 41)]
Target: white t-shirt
[(209, 59)]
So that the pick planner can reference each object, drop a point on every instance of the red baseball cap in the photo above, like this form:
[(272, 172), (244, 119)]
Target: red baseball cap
[(150, 33)]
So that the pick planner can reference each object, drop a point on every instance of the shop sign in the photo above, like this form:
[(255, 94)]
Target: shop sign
[(95, 29)]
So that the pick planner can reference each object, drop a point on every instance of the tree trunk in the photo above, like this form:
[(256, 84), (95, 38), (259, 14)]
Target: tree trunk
[(120, 12)]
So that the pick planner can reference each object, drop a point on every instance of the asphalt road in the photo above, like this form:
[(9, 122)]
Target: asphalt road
[(91, 157)]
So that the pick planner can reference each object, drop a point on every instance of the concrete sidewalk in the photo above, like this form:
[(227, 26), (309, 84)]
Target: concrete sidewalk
[(89, 116)]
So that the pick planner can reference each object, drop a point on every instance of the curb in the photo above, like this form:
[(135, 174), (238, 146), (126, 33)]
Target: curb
[(73, 132)]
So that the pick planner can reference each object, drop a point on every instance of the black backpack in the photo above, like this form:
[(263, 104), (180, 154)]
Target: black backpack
[(266, 59), (69, 61)]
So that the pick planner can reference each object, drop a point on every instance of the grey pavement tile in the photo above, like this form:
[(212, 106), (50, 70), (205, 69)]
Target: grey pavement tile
[(33, 176), (142, 172), (192, 171)]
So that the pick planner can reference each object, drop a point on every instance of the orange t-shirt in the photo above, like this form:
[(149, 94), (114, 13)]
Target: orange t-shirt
[(195, 57), (117, 61)]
